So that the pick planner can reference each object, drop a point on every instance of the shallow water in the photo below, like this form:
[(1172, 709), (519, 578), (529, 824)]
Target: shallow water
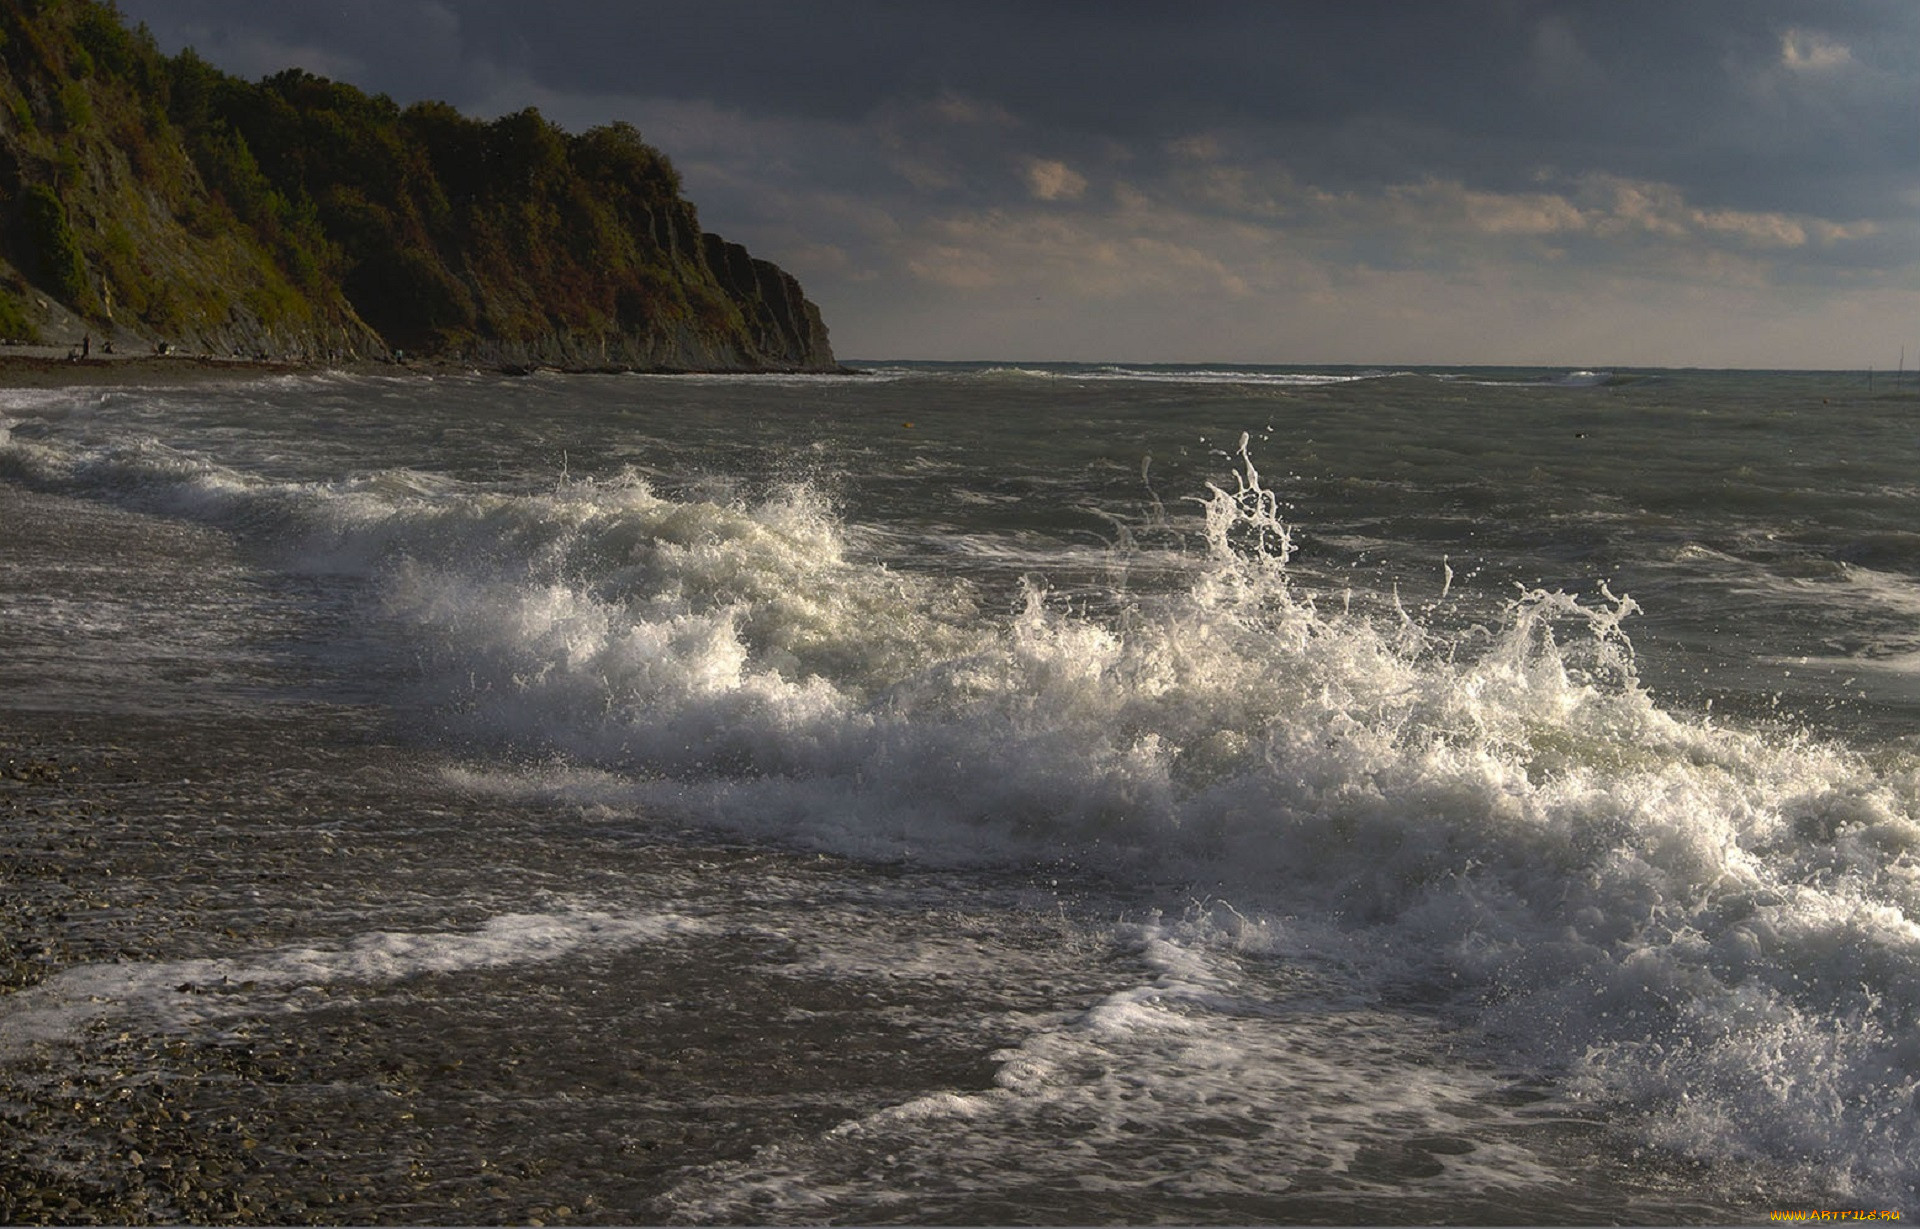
[(961, 793)]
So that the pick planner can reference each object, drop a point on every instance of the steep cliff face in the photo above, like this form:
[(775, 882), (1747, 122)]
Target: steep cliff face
[(159, 199), (105, 223), (778, 316)]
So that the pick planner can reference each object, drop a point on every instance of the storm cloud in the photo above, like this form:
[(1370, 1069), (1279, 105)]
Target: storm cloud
[(1719, 182)]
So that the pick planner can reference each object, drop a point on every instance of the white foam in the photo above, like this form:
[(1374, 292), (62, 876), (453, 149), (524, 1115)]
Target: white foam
[(1700, 924), (1183, 1091), (1507, 807), (1174, 375), (175, 994)]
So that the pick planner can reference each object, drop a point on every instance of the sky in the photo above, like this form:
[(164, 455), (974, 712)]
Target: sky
[(1715, 183)]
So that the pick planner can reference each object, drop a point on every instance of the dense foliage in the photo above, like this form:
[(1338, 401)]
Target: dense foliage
[(160, 183), (50, 242)]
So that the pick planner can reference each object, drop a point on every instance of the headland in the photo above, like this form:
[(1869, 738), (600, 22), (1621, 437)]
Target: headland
[(157, 204)]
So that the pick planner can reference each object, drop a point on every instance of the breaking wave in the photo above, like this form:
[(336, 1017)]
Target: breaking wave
[(1704, 929)]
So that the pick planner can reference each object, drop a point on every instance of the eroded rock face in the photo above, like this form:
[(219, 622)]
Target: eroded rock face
[(786, 327), (158, 201), (778, 327)]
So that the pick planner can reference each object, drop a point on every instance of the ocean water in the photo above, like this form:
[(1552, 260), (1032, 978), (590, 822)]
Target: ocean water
[(968, 793)]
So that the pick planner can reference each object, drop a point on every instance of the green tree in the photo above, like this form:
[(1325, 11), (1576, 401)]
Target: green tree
[(53, 255), (14, 325)]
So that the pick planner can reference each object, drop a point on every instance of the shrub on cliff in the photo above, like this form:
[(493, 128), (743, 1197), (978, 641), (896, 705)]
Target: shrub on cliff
[(53, 252), (14, 324)]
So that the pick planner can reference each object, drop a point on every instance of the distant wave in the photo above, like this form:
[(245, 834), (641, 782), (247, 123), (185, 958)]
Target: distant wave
[(1150, 374), (1245, 376), (1580, 378)]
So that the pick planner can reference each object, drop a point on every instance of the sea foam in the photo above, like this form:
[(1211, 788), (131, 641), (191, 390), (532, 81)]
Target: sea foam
[(173, 994), (1704, 929)]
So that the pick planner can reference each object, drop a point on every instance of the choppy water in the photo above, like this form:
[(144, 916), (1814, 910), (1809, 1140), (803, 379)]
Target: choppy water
[(981, 793)]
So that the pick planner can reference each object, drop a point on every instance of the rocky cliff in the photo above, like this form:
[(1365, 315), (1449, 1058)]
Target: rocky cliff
[(154, 199)]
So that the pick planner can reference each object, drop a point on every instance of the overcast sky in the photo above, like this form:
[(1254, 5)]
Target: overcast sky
[(1615, 182)]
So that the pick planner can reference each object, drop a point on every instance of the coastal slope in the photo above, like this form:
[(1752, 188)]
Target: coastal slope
[(157, 201)]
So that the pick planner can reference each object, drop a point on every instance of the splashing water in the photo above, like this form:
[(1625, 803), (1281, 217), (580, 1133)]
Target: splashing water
[(1706, 930)]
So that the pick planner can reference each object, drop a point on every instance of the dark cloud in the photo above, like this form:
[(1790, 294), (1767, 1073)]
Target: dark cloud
[(1486, 90), (906, 147)]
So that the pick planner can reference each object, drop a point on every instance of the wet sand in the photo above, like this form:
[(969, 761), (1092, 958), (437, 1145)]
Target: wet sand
[(142, 830), (496, 1096)]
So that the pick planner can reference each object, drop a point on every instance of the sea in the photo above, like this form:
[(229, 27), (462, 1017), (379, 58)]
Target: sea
[(963, 793)]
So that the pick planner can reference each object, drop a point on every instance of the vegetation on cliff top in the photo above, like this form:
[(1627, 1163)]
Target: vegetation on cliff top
[(160, 197)]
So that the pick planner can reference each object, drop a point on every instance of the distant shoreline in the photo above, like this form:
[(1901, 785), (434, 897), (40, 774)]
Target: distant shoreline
[(44, 367), (41, 371)]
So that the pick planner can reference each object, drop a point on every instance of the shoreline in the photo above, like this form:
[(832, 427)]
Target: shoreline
[(46, 367), (19, 370)]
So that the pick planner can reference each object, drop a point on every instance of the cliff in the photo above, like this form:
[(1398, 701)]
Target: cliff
[(154, 200)]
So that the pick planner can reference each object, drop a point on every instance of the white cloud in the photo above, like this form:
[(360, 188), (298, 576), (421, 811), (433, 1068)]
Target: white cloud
[(1200, 147), (1637, 206), (1243, 190), (1606, 207), (1834, 232), (1049, 180), (1528, 213), (1663, 210), (1808, 51), (1767, 230), (960, 109)]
